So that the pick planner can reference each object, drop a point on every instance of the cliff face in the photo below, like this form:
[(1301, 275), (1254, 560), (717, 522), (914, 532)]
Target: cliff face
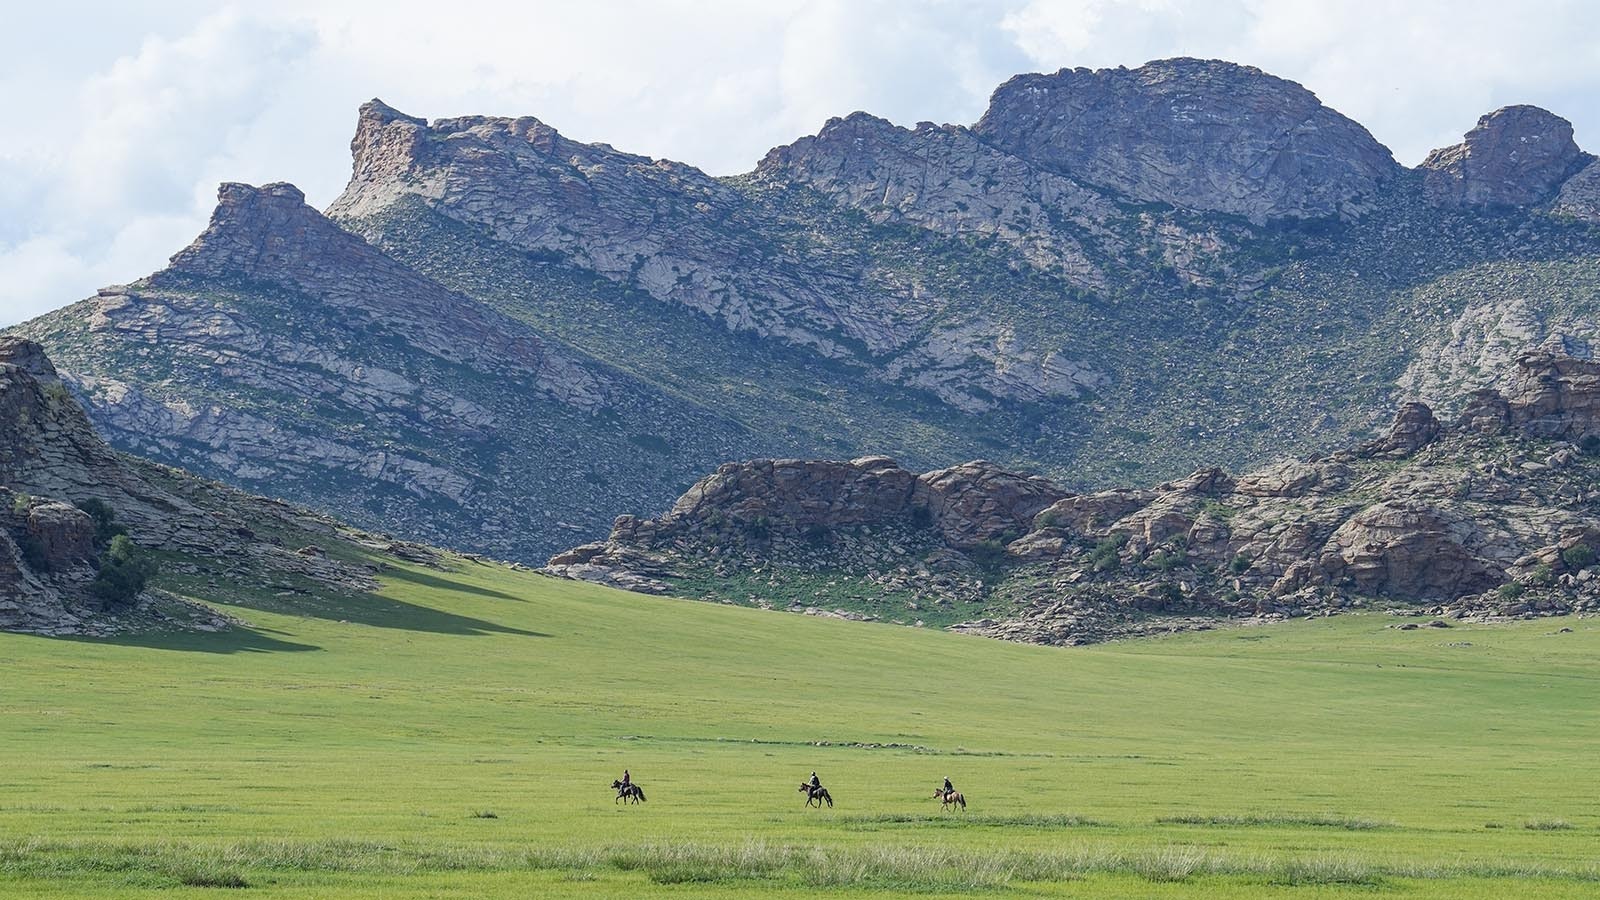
[(1498, 514)]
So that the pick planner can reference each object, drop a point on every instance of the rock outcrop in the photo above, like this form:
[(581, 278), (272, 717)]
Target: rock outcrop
[(1580, 195), (1498, 514), (53, 466), (1199, 134), (1515, 156)]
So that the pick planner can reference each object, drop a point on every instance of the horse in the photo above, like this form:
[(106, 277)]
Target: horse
[(817, 795), (630, 792), (948, 799)]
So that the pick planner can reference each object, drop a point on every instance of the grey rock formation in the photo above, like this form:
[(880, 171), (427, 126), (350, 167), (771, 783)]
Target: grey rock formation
[(1199, 134), (51, 459), (1427, 516), (1580, 195), (1515, 156), (661, 225)]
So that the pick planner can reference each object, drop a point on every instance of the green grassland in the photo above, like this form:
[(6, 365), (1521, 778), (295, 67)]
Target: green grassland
[(454, 737)]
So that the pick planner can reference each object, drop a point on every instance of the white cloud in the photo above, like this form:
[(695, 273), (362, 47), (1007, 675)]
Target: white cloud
[(113, 191), (127, 115)]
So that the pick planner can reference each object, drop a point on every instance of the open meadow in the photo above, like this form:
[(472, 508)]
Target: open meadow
[(455, 737)]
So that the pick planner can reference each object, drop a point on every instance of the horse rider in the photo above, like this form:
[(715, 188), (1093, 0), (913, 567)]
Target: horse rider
[(815, 781), (948, 787), (627, 780)]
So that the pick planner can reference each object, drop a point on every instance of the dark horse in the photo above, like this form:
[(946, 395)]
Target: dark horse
[(629, 792), (816, 794), (948, 799)]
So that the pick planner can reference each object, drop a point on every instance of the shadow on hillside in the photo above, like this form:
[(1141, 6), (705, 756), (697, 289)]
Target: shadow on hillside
[(438, 582), (234, 640), (377, 611)]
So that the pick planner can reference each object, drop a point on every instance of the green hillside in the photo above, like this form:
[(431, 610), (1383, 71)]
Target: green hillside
[(454, 736)]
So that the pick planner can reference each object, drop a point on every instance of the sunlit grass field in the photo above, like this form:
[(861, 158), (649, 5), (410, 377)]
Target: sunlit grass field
[(455, 738)]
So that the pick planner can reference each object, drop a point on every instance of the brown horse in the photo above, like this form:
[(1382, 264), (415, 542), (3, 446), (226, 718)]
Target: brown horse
[(629, 792), (948, 799), (818, 795)]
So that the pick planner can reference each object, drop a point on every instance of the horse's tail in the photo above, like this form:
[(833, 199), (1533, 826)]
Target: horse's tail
[(828, 797), (638, 792), (962, 799)]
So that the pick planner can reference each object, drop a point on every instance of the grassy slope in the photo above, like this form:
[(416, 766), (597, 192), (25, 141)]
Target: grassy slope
[(321, 756)]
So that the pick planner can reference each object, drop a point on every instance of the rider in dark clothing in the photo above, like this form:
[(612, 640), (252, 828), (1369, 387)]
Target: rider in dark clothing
[(627, 780), (815, 781), (948, 787)]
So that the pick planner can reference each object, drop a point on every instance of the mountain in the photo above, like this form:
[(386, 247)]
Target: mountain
[(66, 497), (286, 355), (1495, 515), (498, 337)]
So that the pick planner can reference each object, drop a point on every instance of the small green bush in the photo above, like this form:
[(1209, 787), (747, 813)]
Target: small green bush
[(1107, 555), (1578, 556), (1511, 590), (988, 553), (105, 520), (1239, 564), (20, 504), (1542, 575), (124, 572)]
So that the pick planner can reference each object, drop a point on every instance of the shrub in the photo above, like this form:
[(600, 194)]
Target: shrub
[(1542, 575), (921, 516), (105, 520), (1511, 590), (1239, 564), (1106, 555), (20, 504), (1165, 560), (988, 553), (1578, 556), (124, 572)]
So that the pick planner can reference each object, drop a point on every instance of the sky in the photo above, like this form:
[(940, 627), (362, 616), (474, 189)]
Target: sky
[(122, 118)]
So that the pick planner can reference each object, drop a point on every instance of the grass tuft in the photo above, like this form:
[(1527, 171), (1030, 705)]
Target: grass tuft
[(1277, 821), (1547, 825), (210, 879)]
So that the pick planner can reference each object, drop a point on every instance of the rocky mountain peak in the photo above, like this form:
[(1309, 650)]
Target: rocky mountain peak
[(27, 356), (1202, 134), (255, 229), (1514, 156)]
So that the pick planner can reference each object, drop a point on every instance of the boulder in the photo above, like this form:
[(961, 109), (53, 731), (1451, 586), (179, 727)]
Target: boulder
[(64, 534), (1414, 428), (979, 501), (1408, 551), (788, 496)]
